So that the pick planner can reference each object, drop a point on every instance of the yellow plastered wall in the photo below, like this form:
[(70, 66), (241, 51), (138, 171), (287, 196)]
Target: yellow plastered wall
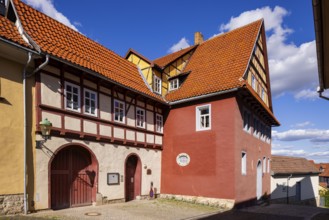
[(144, 66), (11, 128)]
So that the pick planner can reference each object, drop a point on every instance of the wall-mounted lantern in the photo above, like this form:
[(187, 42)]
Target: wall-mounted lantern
[(45, 126)]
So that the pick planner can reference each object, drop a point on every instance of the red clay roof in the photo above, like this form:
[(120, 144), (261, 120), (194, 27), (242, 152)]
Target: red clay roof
[(325, 169), (292, 165), (61, 41), (218, 64), (165, 60), (9, 31)]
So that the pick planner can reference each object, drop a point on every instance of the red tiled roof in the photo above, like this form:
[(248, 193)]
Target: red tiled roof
[(325, 168), (61, 41), (218, 64), (323, 184), (292, 165), (9, 31), (165, 60)]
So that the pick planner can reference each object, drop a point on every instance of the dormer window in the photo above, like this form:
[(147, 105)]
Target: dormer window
[(173, 84), (157, 84)]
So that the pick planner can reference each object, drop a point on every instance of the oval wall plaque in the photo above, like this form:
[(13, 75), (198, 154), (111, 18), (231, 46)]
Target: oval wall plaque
[(183, 159)]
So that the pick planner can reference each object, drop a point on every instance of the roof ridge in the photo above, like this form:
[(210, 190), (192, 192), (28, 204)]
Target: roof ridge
[(190, 47), (232, 31)]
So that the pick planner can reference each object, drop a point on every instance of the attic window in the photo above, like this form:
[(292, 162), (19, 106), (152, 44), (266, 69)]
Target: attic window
[(173, 84), (157, 84), (11, 13)]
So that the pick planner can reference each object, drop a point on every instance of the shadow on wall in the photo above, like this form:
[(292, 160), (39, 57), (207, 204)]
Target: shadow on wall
[(298, 189)]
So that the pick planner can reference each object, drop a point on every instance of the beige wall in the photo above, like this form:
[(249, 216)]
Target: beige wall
[(309, 186), (111, 159)]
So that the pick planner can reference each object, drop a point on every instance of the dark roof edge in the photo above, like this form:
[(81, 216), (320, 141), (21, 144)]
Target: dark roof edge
[(292, 173), (203, 96)]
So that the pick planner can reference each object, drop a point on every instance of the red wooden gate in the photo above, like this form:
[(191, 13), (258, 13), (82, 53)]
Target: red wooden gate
[(72, 178), (133, 178)]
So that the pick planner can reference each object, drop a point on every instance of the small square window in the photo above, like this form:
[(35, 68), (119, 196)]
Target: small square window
[(203, 117), (173, 84)]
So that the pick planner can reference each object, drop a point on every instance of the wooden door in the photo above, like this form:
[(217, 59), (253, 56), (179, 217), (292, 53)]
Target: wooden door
[(72, 178), (133, 178)]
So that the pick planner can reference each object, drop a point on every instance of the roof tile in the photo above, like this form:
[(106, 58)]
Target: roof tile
[(292, 165)]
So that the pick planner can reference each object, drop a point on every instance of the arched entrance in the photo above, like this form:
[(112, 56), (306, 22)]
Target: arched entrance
[(259, 181), (73, 177), (133, 177)]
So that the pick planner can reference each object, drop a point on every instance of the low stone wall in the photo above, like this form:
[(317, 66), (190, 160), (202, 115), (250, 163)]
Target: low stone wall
[(11, 204), (221, 203)]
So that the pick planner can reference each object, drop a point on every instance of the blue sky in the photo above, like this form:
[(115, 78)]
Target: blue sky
[(155, 28)]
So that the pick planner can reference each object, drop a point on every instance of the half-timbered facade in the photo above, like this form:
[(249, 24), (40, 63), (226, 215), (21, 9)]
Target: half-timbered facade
[(194, 124)]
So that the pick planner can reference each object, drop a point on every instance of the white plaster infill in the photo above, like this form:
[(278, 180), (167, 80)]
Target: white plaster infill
[(226, 204)]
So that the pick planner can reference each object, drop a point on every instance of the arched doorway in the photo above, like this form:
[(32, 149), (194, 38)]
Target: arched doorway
[(133, 177), (73, 177), (259, 181)]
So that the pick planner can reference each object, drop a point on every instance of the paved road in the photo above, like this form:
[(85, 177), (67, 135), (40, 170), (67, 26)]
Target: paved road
[(171, 210)]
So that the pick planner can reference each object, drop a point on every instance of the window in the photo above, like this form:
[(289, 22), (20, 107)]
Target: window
[(158, 123), (264, 164), (173, 84), (203, 118), (263, 94), (157, 84), (244, 163), (253, 82), (140, 118), (72, 97), (268, 165), (119, 111), (90, 102), (246, 121)]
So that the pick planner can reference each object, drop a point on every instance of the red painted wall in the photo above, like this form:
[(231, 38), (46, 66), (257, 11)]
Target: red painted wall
[(215, 167)]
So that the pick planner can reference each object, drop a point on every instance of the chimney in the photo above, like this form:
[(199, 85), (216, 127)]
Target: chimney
[(2, 7), (198, 38)]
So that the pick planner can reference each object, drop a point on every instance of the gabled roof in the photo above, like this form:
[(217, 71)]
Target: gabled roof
[(218, 64), (165, 60), (292, 165), (62, 42), (325, 168)]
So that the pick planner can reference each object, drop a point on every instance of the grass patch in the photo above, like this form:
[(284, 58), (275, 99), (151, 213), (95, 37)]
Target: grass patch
[(185, 204)]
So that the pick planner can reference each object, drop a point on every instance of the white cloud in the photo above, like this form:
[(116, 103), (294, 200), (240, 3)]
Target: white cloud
[(314, 135), (47, 7), (183, 43), (293, 69), (303, 124), (283, 152)]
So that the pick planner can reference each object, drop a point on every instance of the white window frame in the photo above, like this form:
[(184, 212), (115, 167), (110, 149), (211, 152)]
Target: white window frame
[(157, 84), (248, 124), (268, 165), (243, 163), (264, 164), (142, 116), (158, 123), (84, 99), (173, 84), (198, 110), (66, 92), (114, 111), (253, 82)]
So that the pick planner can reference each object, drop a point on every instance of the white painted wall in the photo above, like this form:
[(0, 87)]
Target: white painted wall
[(111, 159), (50, 90), (309, 186)]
